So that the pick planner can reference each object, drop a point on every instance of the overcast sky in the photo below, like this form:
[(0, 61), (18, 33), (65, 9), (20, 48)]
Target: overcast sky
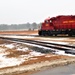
[(23, 11)]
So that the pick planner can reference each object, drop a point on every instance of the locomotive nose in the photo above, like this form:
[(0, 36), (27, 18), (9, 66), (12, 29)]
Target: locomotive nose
[(47, 18)]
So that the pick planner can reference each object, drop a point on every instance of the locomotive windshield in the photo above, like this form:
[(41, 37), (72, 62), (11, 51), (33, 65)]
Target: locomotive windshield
[(50, 21), (46, 21)]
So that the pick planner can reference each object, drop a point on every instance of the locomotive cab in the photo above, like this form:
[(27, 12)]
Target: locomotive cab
[(46, 27)]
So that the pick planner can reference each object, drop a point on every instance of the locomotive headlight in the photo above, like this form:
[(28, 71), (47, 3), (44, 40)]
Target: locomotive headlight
[(47, 24)]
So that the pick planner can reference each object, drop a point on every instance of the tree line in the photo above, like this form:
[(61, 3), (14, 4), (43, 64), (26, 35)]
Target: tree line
[(26, 26)]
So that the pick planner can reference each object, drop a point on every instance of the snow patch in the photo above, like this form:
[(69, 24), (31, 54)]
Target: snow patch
[(15, 36), (22, 49), (33, 53), (53, 38), (9, 46), (6, 62), (63, 53), (60, 52), (33, 58), (2, 50)]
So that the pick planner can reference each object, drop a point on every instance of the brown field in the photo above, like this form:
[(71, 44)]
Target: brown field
[(26, 32)]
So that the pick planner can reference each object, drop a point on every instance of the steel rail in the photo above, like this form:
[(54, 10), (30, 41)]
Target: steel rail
[(45, 44)]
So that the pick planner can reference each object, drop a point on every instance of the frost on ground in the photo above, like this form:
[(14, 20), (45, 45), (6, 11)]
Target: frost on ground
[(15, 54), (19, 55), (12, 54)]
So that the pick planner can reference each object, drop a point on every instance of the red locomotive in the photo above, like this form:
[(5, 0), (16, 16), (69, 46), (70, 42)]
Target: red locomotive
[(58, 25)]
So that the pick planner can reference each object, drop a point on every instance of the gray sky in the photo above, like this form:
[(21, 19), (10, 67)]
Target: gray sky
[(23, 11)]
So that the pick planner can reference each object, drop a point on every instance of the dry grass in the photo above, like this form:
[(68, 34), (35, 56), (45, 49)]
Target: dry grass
[(16, 54), (20, 32), (44, 58), (4, 42)]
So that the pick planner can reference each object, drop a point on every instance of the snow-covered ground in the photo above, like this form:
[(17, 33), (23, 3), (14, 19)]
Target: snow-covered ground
[(13, 61), (15, 36)]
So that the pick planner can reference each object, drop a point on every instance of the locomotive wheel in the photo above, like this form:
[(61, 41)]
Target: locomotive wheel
[(70, 34), (55, 34), (39, 33)]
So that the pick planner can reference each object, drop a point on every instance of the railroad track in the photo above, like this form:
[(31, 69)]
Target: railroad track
[(67, 48)]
